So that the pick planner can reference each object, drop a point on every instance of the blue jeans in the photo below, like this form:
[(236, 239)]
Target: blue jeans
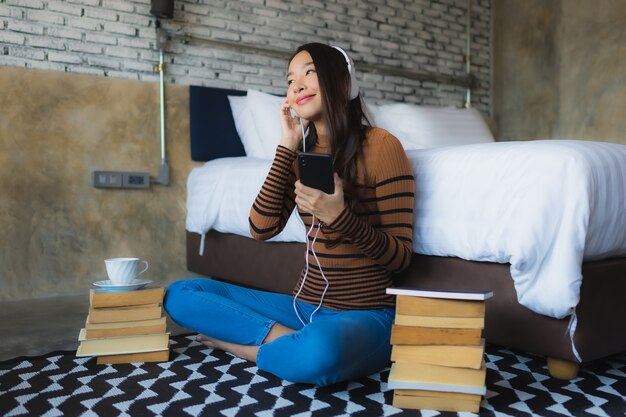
[(336, 346)]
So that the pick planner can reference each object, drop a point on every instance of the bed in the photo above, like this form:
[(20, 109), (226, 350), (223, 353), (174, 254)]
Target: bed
[(541, 223)]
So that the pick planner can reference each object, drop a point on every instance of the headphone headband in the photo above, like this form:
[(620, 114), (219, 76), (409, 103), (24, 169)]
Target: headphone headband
[(354, 86)]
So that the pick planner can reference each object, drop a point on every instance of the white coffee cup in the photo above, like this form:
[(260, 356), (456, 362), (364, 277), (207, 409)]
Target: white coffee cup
[(123, 271)]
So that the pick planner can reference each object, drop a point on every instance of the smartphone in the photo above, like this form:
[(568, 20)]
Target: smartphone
[(316, 171)]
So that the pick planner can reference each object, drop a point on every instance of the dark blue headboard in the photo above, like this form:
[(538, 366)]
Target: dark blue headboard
[(211, 124)]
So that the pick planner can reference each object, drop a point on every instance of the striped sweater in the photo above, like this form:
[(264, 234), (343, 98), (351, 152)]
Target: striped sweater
[(376, 235)]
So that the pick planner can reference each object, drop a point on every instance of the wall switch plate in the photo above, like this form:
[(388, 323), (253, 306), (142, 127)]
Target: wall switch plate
[(107, 179), (120, 179)]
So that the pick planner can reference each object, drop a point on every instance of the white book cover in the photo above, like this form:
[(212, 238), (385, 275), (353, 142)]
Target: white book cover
[(442, 293), (121, 345), (447, 379), (436, 387)]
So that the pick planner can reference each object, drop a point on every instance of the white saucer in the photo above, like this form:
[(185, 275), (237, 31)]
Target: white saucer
[(107, 285)]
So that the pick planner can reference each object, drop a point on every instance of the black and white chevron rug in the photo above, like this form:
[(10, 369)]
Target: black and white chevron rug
[(201, 382)]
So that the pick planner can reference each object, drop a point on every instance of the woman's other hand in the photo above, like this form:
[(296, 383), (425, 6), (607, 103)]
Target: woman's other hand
[(325, 207), (291, 132)]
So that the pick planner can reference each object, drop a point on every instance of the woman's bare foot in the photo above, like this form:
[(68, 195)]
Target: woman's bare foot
[(244, 351), (241, 351), (206, 341)]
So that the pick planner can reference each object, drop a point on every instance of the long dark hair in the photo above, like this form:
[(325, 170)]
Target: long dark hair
[(345, 120)]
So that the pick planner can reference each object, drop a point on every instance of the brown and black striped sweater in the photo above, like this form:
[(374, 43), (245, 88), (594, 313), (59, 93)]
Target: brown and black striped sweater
[(376, 236)]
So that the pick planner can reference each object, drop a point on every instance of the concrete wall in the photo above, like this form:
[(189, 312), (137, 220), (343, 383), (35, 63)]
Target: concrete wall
[(55, 228), (559, 69), (78, 94)]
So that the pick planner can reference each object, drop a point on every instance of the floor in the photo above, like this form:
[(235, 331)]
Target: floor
[(35, 327)]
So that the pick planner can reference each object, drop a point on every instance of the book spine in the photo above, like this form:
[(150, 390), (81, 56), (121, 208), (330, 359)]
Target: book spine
[(411, 335), (123, 345), (417, 306), (100, 315), (440, 404), (442, 355), (442, 294), (461, 389), (125, 331), (126, 298), (158, 356), (441, 322)]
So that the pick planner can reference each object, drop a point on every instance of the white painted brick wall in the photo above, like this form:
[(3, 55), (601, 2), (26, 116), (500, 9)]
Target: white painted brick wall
[(117, 38)]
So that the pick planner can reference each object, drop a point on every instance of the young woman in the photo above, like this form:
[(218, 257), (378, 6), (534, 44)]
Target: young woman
[(336, 324)]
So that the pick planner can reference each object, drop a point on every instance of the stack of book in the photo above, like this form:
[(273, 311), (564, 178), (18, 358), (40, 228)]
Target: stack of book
[(438, 351), (125, 327)]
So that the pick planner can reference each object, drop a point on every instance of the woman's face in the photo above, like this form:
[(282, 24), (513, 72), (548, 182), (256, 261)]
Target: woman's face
[(303, 92)]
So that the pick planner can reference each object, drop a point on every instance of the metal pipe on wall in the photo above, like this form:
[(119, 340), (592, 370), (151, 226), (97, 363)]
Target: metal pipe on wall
[(468, 54), (162, 9), (164, 170), (162, 103)]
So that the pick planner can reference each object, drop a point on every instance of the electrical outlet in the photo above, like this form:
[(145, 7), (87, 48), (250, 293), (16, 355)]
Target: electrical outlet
[(120, 179), (135, 180), (107, 179)]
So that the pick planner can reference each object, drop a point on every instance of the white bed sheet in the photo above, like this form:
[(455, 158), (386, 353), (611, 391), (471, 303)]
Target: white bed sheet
[(542, 206), (220, 195)]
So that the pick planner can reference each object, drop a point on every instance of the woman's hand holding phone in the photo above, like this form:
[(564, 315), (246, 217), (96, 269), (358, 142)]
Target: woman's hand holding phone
[(326, 207), (291, 132)]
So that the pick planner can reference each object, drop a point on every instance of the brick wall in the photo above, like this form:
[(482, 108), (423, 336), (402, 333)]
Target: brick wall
[(117, 38)]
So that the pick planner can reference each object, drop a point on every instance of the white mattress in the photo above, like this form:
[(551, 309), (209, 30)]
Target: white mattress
[(542, 206)]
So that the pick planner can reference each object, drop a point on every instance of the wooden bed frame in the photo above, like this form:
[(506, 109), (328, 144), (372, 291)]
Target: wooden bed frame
[(276, 266), (601, 311)]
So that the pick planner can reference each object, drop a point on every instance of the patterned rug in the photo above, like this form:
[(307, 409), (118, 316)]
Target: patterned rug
[(201, 382)]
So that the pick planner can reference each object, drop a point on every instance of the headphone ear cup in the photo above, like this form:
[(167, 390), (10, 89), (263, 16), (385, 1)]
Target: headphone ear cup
[(354, 85)]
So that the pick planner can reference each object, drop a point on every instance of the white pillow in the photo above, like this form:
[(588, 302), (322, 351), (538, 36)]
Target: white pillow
[(244, 123), (265, 109), (419, 127)]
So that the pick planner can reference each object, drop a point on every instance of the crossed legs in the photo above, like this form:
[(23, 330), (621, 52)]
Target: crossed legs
[(263, 327)]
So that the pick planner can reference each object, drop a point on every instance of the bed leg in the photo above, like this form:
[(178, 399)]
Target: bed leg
[(562, 369)]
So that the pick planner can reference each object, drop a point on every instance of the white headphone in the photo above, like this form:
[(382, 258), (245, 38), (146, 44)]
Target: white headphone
[(354, 86)]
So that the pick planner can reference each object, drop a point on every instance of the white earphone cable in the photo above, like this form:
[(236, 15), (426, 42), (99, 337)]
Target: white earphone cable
[(306, 269), (319, 226), (312, 249), (303, 135)]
